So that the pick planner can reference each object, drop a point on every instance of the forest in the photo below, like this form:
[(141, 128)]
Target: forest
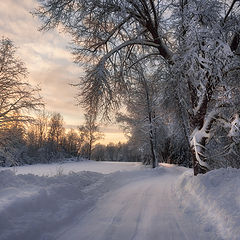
[(166, 71)]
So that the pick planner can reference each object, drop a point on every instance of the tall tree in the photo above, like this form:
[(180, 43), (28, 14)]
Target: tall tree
[(197, 38), (56, 131), (143, 103), (203, 61), (72, 142), (89, 133), (17, 98), (16, 95), (41, 125)]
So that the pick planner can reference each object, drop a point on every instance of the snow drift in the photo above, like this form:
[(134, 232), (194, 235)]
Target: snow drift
[(31, 205), (214, 198)]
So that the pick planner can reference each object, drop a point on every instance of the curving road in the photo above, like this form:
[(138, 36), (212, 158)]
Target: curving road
[(144, 209)]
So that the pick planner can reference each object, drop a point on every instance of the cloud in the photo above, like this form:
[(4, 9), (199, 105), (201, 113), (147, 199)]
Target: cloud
[(48, 60)]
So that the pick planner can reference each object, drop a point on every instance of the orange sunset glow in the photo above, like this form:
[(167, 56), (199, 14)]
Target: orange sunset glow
[(49, 63)]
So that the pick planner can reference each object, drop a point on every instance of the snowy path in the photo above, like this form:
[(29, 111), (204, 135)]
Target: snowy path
[(139, 210), (118, 201)]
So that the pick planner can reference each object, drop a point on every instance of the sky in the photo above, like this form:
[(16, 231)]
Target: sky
[(49, 63)]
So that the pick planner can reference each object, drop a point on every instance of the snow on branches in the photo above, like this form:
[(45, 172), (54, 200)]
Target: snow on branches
[(197, 39), (234, 132)]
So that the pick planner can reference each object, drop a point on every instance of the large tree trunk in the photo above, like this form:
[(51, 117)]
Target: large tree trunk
[(198, 141), (201, 122), (197, 167)]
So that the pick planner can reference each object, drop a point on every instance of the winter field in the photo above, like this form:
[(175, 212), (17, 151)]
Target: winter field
[(118, 201)]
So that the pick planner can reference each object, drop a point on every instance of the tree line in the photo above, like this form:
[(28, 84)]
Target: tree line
[(45, 140)]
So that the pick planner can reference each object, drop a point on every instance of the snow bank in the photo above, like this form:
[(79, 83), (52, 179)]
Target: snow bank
[(31, 206), (215, 197)]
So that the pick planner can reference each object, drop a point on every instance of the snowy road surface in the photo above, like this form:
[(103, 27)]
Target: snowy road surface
[(118, 201), (144, 209)]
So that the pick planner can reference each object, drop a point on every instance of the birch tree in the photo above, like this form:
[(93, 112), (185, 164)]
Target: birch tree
[(198, 39)]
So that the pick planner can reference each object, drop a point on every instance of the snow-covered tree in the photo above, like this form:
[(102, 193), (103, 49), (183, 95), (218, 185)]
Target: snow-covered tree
[(198, 40), (17, 98), (143, 119), (202, 62), (12, 144), (16, 95)]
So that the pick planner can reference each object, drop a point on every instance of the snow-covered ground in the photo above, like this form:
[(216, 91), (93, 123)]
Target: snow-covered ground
[(73, 166), (115, 201), (215, 198)]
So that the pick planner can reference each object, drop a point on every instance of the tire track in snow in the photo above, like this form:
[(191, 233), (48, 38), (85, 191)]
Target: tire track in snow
[(139, 210)]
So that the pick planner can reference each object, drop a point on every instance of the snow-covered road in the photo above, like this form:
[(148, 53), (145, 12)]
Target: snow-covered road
[(118, 201), (144, 209)]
